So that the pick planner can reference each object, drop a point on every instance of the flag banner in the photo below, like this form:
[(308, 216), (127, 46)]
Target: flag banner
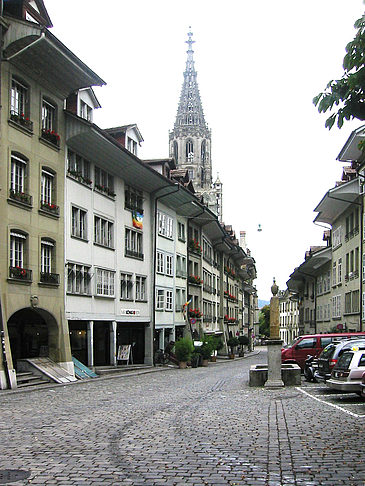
[(137, 219)]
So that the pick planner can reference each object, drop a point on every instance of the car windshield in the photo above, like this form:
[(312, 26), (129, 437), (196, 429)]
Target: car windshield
[(290, 345), (328, 351), (345, 360)]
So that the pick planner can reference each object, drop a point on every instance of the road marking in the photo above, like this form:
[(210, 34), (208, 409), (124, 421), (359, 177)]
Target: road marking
[(331, 404)]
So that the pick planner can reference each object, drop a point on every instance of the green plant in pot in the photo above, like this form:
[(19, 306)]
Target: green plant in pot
[(195, 358), (232, 343), (243, 341), (217, 345), (183, 350), (206, 351)]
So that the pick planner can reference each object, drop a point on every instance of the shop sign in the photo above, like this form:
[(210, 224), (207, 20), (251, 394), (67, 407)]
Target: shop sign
[(130, 312)]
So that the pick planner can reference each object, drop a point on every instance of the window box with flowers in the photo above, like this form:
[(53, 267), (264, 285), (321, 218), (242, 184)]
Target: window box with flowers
[(196, 313), (228, 271), (20, 273), (230, 297), (229, 320), (20, 197), (195, 280), (50, 208), (78, 176), (194, 246), (51, 136), (105, 190), (50, 278), (21, 120)]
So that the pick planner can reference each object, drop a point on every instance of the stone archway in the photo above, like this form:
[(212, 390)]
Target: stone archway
[(33, 333)]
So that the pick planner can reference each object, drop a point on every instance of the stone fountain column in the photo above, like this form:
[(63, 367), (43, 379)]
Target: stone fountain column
[(274, 344)]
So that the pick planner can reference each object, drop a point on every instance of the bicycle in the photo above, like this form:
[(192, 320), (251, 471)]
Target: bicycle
[(161, 357)]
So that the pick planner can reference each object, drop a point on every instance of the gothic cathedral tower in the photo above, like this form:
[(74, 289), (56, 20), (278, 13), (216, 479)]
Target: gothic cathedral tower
[(190, 139)]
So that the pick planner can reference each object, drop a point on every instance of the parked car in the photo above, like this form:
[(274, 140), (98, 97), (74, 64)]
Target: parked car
[(362, 385), (297, 351), (330, 355), (347, 374)]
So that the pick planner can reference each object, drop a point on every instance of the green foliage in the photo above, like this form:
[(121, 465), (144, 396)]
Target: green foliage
[(347, 93), (215, 342), (206, 349), (232, 343), (183, 349), (264, 320), (243, 340)]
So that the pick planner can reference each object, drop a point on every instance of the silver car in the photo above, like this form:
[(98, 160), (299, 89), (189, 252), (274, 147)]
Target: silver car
[(346, 375)]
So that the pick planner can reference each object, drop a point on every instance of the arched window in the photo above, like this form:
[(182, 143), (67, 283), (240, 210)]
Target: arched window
[(175, 151), (189, 149), (18, 255), (203, 151)]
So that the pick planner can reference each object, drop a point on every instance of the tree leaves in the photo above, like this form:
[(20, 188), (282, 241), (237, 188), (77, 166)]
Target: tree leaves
[(349, 91)]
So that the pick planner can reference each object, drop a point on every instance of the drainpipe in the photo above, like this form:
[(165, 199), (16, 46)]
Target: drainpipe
[(361, 260), (155, 233)]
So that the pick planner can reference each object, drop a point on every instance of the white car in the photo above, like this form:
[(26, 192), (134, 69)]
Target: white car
[(346, 375)]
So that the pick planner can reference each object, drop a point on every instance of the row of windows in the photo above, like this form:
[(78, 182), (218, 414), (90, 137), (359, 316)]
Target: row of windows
[(104, 233), (18, 258), (20, 108)]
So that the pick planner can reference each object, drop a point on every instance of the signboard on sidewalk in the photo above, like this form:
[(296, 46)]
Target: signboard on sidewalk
[(124, 352)]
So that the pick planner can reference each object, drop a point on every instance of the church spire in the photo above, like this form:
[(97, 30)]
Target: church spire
[(190, 109)]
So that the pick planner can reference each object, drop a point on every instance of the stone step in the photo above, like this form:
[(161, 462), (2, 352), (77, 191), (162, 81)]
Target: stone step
[(36, 382)]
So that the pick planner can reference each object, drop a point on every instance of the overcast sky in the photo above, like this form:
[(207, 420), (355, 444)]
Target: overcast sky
[(259, 66)]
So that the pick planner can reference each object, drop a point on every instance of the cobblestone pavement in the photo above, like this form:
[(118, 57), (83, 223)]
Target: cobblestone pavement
[(199, 427)]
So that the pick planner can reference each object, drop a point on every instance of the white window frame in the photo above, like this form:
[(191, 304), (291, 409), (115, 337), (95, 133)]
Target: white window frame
[(169, 265), (169, 300), (133, 243), (18, 98), (165, 225), (105, 283), (103, 232), (141, 288), (160, 299), (126, 286), (160, 266), (18, 173), (47, 250), (17, 249), (49, 115), (78, 223), (78, 279), (336, 237)]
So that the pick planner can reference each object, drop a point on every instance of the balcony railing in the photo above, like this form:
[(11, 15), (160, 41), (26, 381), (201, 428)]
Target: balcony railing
[(21, 197), (133, 254), (50, 278), (50, 208), (21, 120), (352, 233), (20, 273)]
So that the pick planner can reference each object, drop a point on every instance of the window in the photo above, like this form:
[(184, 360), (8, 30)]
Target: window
[(306, 343), (104, 182), (175, 151), (133, 244), (169, 300), (133, 199), (132, 145), (78, 167), (18, 172), (78, 279), (78, 223), (336, 306), (181, 231), (189, 149), (103, 232), (19, 99), (160, 299), (180, 299), (86, 111), (17, 249), (46, 256), (337, 237), (169, 265), (160, 262), (104, 283), (348, 303), (334, 273), (356, 301), (180, 266), (48, 116), (165, 225), (47, 187), (126, 286), (141, 293), (339, 270)]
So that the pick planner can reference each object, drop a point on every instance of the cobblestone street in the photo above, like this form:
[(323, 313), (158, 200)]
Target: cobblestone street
[(200, 426)]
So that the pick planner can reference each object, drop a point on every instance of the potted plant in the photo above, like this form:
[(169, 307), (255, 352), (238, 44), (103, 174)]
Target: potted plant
[(195, 358), (232, 343), (217, 345), (183, 350), (243, 340), (206, 351)]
